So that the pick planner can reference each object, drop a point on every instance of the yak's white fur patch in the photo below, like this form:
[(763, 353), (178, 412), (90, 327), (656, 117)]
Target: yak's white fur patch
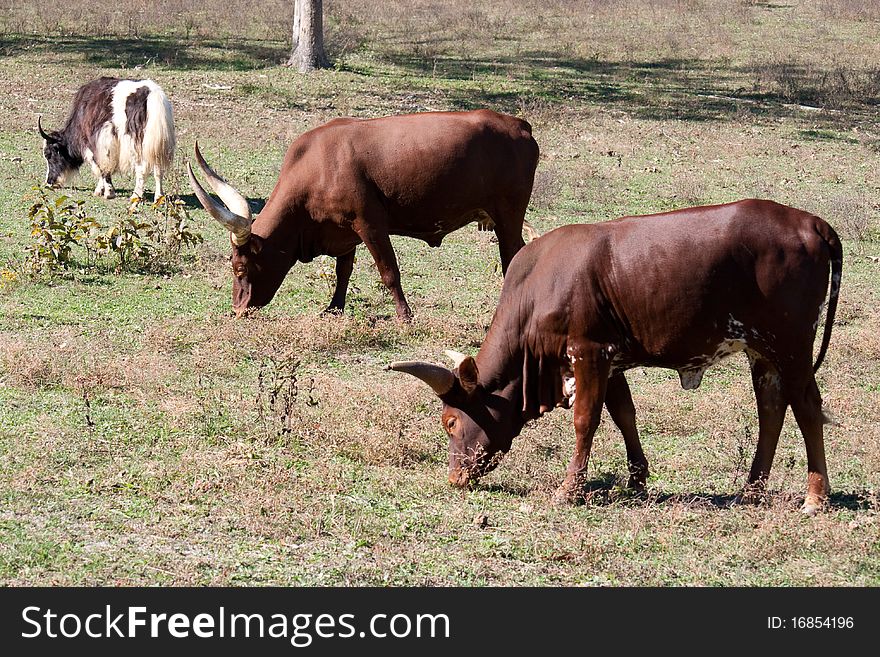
[(157, 150)]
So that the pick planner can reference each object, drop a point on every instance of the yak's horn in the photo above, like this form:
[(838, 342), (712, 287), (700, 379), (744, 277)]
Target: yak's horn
[(237, 218), (43, 133), (455, 356), (439, 378)]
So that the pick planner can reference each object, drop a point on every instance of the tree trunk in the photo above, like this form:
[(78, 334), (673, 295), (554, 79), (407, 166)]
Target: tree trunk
[(297, 15), (308, 51)]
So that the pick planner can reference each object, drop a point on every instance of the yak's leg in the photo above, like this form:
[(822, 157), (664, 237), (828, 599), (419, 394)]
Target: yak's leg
[(618, 401), (157, 177), (379, 244), (806, 403), (591, 367), (96, 171), (109, 192), (771, 415), (344, 267), (140, 171)]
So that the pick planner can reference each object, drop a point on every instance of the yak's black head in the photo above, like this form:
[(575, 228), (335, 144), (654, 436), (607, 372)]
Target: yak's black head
[(60, 163)]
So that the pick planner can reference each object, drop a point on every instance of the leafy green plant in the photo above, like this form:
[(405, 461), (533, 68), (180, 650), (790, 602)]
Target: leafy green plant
[(147, 237), (124, 239), (57, 225), (169, 228)]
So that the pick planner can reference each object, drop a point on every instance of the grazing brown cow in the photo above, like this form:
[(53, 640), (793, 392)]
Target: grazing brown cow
[(679, 290), (351, 181)]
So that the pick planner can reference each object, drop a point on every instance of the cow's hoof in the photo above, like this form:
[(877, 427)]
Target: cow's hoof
[(331, 312), (637, 484), (108, 194), (812, 506), (752, 496), (567, 495)]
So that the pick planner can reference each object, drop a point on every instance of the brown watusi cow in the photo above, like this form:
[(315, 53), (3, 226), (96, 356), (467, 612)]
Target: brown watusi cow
[(351, 181), (679, 290)]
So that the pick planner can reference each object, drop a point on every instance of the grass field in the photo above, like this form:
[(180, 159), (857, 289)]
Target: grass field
[(148, 437)]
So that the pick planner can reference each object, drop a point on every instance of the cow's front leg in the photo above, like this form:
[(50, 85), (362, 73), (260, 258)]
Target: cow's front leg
[(591, 366), (379, 244), (344, 267)]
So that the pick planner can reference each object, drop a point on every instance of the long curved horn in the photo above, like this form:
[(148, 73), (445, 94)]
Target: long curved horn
[(239, 226), (227, 193), (439, 378), (43, 133)]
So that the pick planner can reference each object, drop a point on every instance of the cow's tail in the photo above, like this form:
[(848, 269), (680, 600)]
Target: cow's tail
[(830, 237), (159, 138), (530, 231)]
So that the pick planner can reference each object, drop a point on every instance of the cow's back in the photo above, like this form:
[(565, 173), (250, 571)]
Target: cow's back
[(433, 166), (662, 283)]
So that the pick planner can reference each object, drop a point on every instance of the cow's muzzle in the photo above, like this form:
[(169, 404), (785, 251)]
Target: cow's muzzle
[(461, 477)]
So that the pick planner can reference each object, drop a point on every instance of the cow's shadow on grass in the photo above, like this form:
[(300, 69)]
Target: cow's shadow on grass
[(609, 489)]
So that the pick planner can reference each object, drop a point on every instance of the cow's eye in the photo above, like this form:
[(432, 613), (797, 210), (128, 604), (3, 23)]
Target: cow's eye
[(450, 423)]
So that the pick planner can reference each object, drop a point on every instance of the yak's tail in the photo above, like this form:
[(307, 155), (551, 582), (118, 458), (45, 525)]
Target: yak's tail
[(159, 137), (833, 241)]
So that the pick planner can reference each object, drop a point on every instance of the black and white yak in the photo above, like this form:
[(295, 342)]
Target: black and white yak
[(115, 126)]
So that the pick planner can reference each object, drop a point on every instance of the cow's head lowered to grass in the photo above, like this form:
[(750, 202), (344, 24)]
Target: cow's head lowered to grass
[(257, 271), (478, 421)]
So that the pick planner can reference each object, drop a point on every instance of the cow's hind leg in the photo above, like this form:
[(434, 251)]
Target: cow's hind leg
[(378, 243), (509, 244), (806, 403), (508, 218), (618, 401), (771, 416), (344, 267), (591, 366)]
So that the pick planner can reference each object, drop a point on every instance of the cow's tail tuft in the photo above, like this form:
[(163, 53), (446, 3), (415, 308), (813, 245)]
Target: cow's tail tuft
[(530, 231), (830, 237), (159, 138)]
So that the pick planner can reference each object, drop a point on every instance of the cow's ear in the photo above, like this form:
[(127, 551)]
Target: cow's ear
[(468, 375), (256, 245)]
